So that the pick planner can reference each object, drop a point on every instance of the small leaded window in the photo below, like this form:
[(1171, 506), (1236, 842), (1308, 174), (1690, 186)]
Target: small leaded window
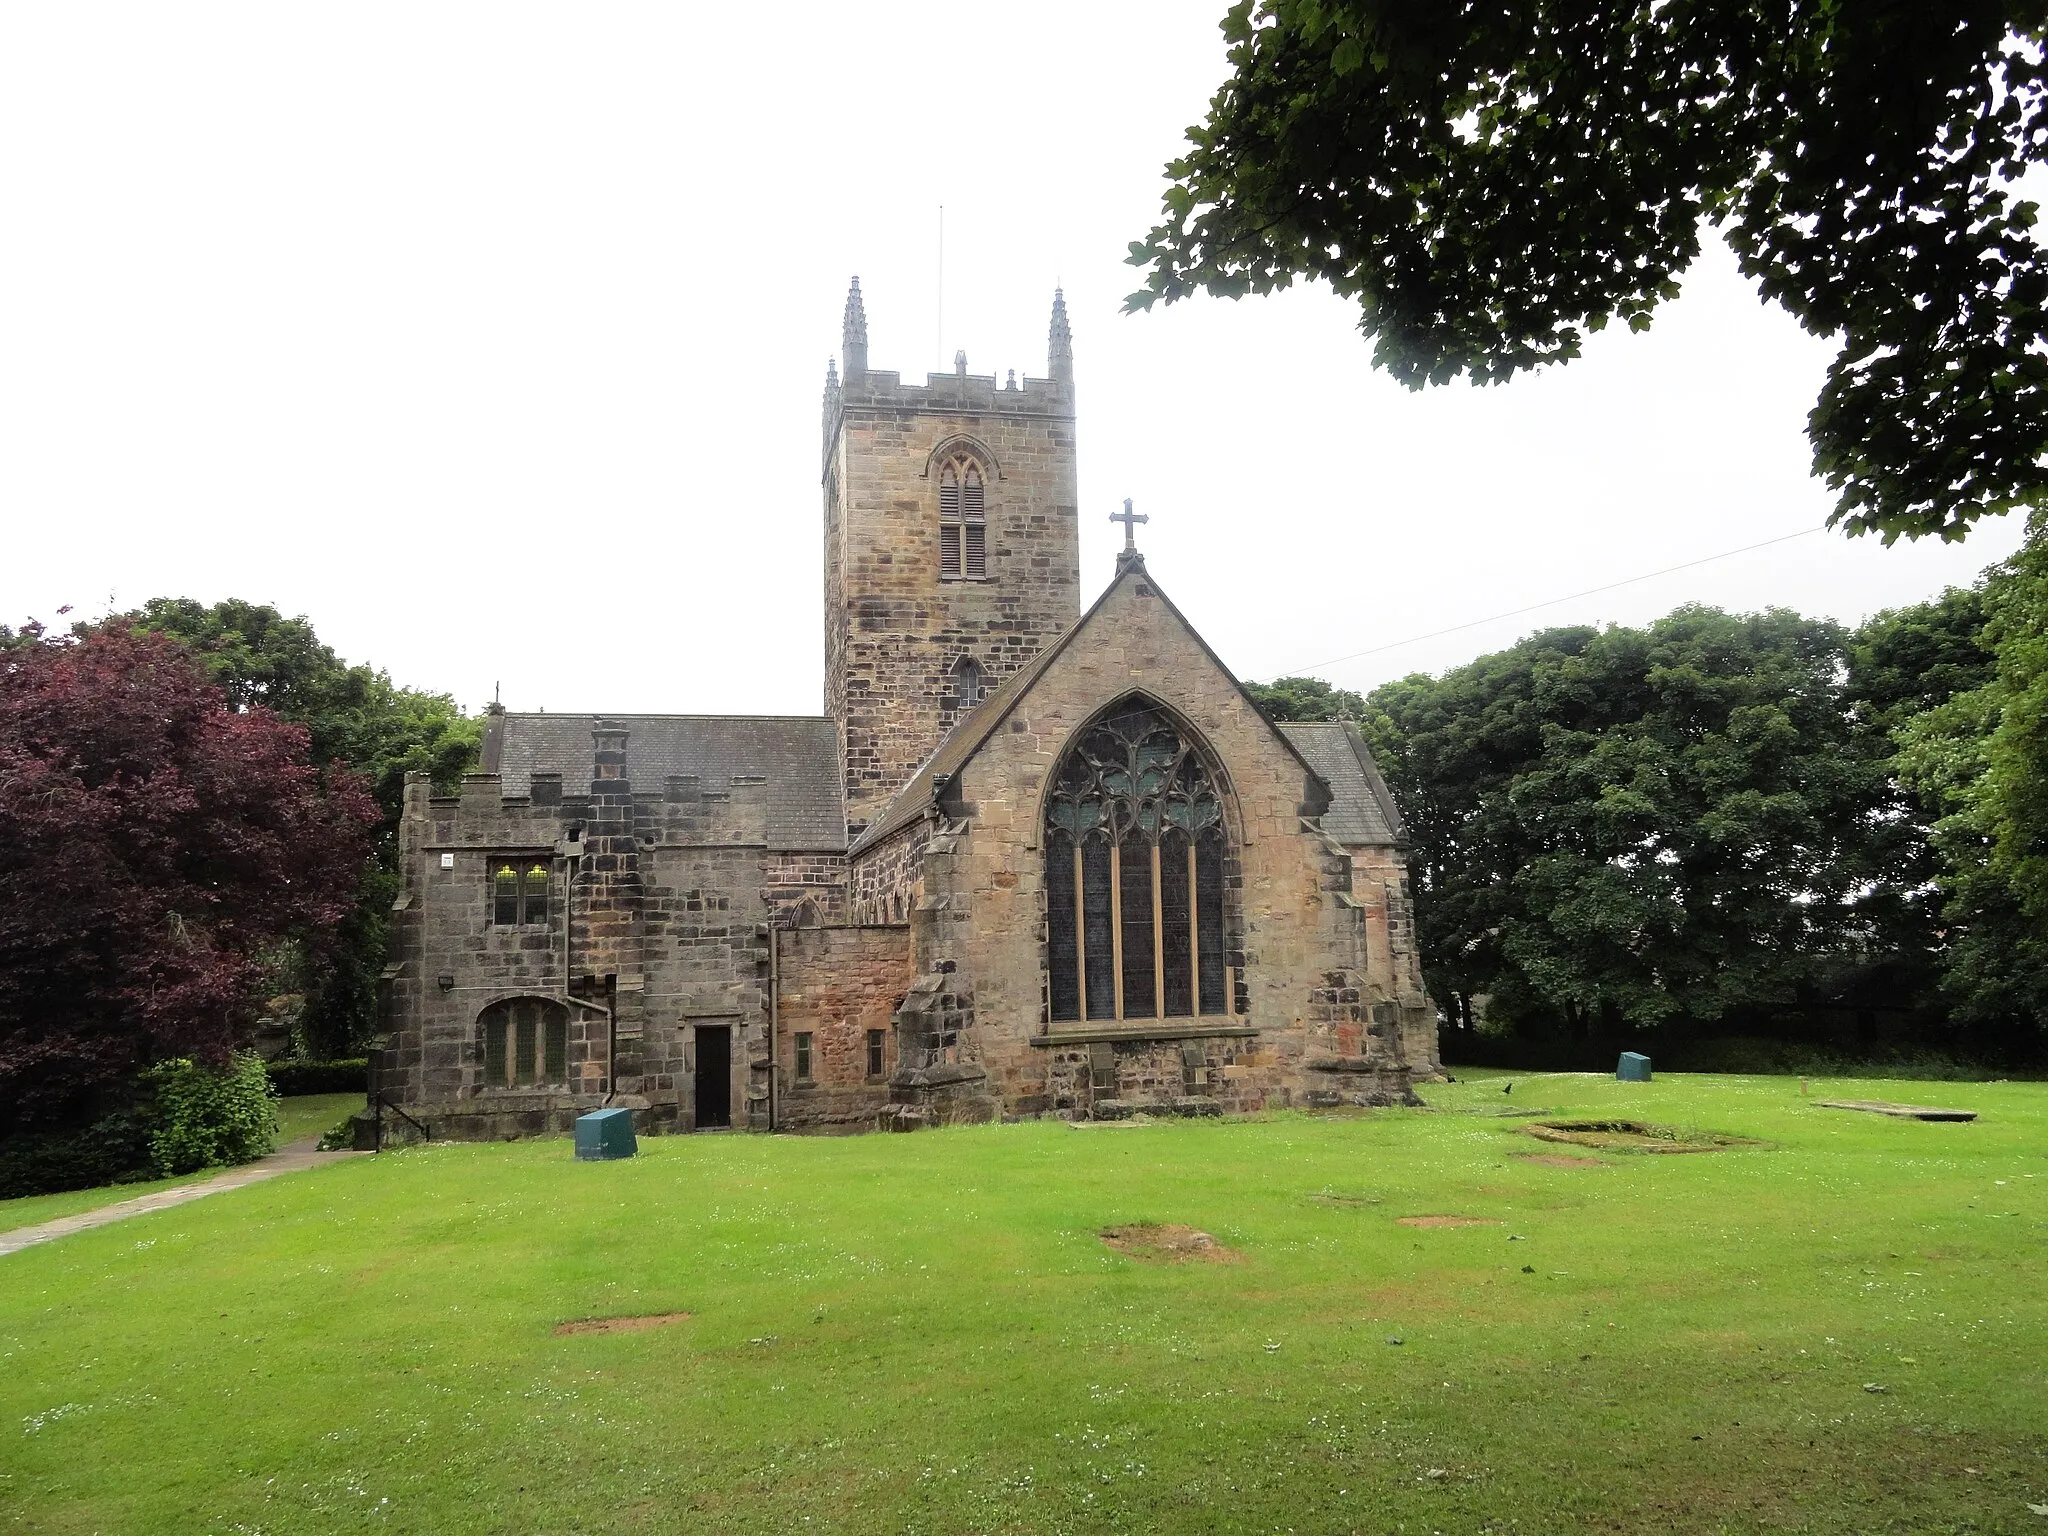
[(1134, 848), (878, 1041), (968, 687), (526, 1043), (519, 891), (803, 1055), (963, 527)]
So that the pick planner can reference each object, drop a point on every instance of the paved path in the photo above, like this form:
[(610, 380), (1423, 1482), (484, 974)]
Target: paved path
[(300, 1154)]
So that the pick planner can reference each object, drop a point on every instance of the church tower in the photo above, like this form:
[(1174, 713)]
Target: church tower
[(952, 551)]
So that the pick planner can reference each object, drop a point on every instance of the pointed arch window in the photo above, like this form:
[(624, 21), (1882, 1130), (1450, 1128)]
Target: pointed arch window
[(1134, 855), (963, 525), (968, 687)]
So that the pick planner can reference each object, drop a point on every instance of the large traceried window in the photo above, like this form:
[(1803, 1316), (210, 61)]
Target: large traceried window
[(963, 527), (1134, 848)]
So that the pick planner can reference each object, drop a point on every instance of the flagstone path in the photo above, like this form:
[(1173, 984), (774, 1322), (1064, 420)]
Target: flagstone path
[(292, 1159)]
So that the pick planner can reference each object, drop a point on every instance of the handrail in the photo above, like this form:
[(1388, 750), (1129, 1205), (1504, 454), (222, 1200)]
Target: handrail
[(383, 1104)]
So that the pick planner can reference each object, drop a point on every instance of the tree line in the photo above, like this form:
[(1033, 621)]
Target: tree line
[(1734, 825), (1751, 825), (198, 815)]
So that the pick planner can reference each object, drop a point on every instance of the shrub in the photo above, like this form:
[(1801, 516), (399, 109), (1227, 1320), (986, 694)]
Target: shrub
[(342, 1138), (291, 1078), (206, 1116), (113, 1150), (181, 1117)]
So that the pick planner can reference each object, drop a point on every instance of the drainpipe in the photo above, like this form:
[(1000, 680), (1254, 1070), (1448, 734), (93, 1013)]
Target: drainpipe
[(774, 1017), (611, 1036)]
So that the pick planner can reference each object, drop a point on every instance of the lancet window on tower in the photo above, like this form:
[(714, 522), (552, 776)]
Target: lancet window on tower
[(1134, 854), (963, 529), (967, 684)]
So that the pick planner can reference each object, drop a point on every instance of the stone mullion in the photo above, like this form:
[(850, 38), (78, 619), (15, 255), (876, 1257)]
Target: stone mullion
[(1116, 920), (1081, 929), (1158, 941)]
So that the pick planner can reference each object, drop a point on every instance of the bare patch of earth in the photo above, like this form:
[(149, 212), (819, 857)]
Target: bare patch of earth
[(622, 1324), (1326, 1197), (1169, 1243), (1447, 1221), (1552, 1160), (1630, 1136)]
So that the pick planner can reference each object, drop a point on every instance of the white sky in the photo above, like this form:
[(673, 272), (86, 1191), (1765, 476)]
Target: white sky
[(491, 339)]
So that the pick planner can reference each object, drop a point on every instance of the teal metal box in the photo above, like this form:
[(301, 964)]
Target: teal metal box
[(1634, 1068), (605, 1134)]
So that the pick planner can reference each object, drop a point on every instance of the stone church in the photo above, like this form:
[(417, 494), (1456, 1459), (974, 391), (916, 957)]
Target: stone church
[(1034, 858)]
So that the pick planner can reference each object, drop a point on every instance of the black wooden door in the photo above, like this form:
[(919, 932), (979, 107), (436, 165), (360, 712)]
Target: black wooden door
[(714, 1077)]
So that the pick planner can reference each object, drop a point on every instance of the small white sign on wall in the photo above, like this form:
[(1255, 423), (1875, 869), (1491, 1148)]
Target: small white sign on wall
[(447, 861)]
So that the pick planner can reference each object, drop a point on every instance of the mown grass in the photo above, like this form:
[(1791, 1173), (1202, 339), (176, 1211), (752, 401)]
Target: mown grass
[(925, 1333), (312, 1114)]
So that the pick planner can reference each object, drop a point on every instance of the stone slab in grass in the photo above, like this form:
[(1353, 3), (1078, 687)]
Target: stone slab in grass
[(1631, 1136), (1899, 1111)]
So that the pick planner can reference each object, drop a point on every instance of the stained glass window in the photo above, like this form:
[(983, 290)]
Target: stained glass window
[(1134, 875), (519, 891)]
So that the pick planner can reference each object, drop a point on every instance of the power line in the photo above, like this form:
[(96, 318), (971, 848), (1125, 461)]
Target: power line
[(1395, 645)]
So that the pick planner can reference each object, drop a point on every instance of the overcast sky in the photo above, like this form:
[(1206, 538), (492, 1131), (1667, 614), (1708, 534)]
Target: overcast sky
[(491, 339)]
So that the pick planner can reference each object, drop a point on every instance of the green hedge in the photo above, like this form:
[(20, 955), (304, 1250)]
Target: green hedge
[(113, 1150), (291, 1078), (184, 1117)]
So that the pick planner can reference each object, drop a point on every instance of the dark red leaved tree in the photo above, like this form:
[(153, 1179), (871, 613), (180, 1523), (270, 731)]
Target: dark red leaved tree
[(154, 844)]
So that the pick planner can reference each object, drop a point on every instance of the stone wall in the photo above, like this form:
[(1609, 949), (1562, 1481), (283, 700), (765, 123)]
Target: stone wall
[(1304, 959), (894, 629), (792, 879), (836, 984), (884, 882), (669, 894)]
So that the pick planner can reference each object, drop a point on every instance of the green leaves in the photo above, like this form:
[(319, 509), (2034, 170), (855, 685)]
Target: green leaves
[(1306, 698), (1491, 179), (1629, 827), (1978, 763)]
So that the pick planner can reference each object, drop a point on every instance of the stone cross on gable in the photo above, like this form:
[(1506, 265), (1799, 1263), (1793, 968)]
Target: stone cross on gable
[(1130, 520)]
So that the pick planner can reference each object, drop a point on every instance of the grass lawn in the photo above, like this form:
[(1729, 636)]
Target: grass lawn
[(312, 1114), (1840, 1328)]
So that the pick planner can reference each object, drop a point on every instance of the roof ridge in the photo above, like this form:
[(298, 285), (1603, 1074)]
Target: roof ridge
[(600, 714)]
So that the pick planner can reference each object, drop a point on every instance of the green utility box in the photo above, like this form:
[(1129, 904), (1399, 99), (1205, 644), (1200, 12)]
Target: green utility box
[(605, 1134), (1634, 1068)]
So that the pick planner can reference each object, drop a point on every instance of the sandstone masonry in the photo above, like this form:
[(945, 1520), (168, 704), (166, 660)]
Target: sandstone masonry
[(855, 921)]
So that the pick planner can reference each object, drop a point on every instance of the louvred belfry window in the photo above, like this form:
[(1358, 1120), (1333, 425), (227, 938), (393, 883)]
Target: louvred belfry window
[(963, 525), (1134, 854)]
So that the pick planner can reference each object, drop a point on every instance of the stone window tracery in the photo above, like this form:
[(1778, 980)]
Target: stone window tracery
[(526, 1043), (1134, 856), (963, 528)]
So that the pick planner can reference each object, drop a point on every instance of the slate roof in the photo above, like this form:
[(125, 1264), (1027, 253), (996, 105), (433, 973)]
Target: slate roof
[(965, 739), (798, 756), (1361, 811)]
